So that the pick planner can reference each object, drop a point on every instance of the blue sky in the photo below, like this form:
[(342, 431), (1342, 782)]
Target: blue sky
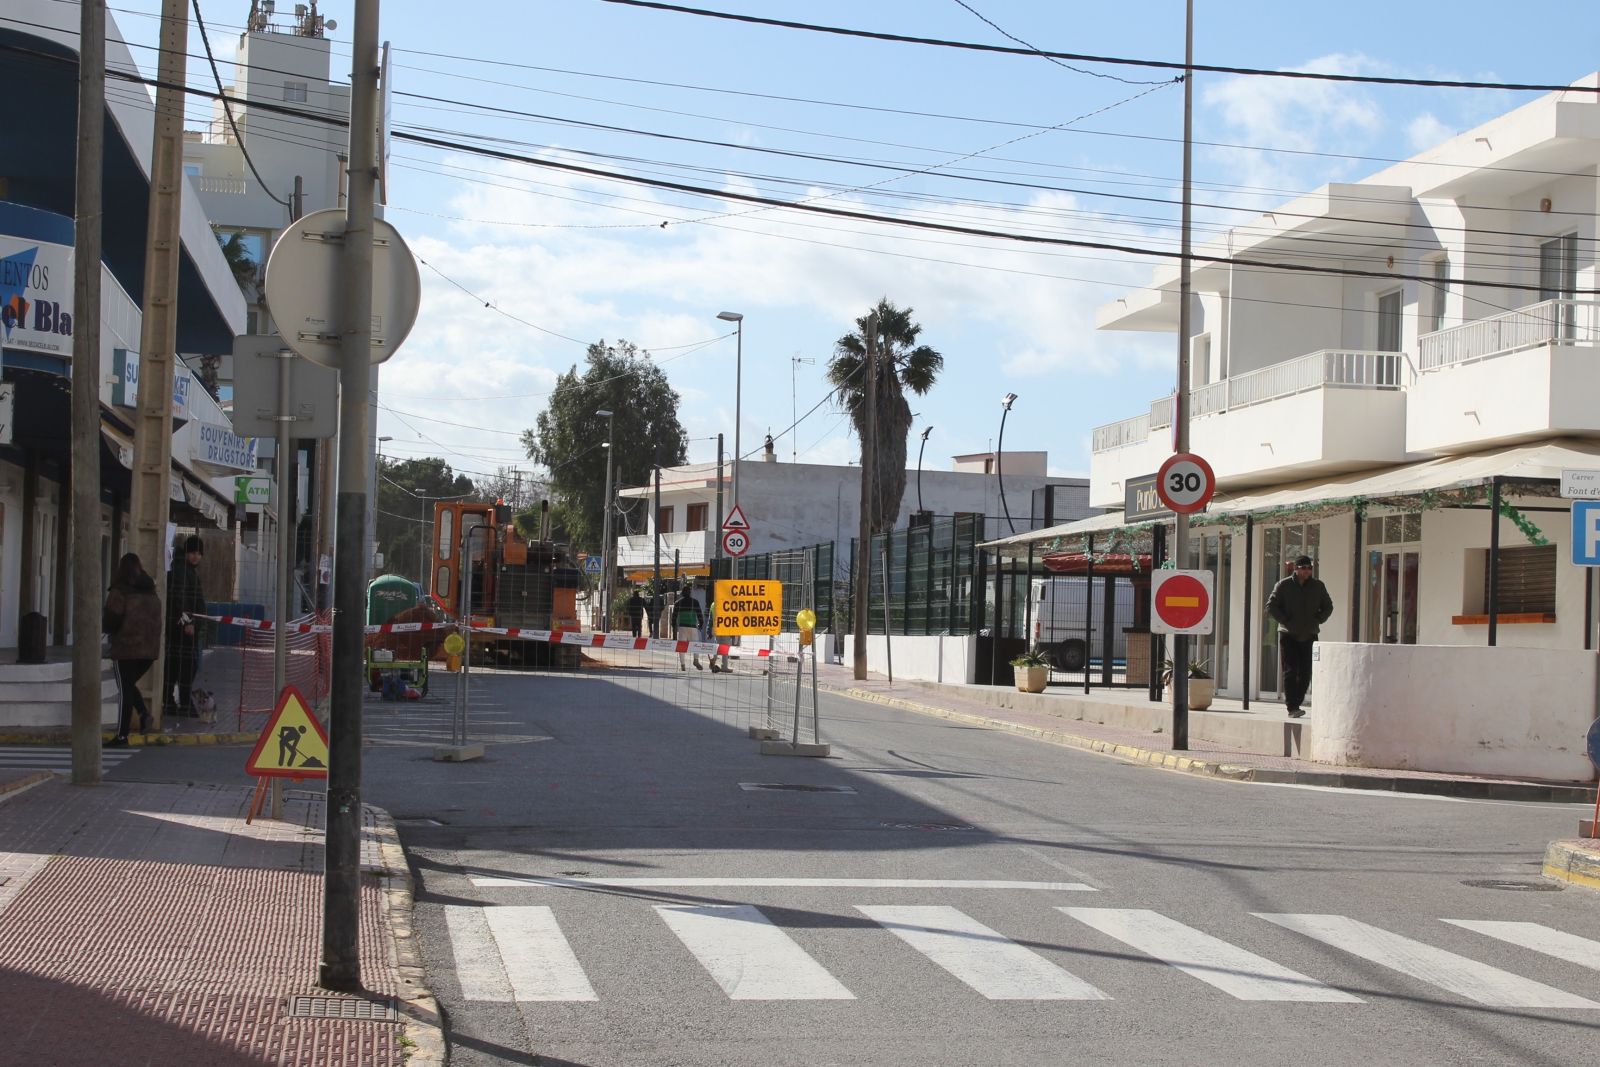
[(577, 259)]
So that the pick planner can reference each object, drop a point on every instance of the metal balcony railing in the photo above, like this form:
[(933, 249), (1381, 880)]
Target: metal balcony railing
[(1327, 368), (220, 185), (1567, 322)]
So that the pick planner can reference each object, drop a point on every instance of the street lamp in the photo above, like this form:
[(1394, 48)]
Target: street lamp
[(605, 536), (920, 447), (738, 380), (1000, 450)]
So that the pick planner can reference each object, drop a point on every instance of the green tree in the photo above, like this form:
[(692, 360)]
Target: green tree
[(569, 437), (407, 490), (902, 364)]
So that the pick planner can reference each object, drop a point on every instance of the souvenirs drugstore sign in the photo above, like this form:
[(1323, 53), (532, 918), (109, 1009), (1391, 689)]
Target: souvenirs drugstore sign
[(36, 296), (219, 446)]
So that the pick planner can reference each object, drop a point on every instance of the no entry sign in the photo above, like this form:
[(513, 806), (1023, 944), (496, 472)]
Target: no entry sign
[(1180, 602)]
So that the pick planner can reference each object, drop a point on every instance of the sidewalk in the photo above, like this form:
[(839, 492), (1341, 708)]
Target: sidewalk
[(1576, 860), (146, 923)]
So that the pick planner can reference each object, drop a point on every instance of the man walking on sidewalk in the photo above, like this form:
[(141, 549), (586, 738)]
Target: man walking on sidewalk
[(1300, 604)]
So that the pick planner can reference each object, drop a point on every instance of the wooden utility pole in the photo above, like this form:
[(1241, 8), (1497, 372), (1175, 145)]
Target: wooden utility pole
[(86, 396), (869, 459), (152, 439)]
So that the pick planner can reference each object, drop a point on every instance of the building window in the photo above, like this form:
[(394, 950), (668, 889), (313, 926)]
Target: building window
[(1527, 581), (664, 520), (697, 518), (1389, 311), (192, 169), (1438, 291), (1199, 360), (294, 92), (1558, 279)]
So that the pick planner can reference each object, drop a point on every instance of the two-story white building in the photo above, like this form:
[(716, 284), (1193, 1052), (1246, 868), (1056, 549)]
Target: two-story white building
[(1389, 375)]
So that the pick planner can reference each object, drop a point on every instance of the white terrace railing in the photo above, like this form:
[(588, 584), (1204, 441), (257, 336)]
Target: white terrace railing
[(220, 185), (1328, 368), (1568, 322)]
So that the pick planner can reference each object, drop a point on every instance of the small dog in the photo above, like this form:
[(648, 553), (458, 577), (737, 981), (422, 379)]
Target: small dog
[(205, 705)]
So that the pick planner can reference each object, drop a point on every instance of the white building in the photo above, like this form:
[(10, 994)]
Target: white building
[(1374, 365), (794, 505)]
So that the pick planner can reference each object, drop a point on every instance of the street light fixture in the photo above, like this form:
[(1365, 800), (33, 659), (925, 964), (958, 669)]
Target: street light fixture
[(1000, 450), (920, 447), (605, 536)]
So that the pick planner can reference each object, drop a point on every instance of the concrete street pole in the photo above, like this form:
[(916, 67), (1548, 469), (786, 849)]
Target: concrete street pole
[(605, 537), (1180, 398), (341, 961), (86, 397), (152, 440), (863, 559)]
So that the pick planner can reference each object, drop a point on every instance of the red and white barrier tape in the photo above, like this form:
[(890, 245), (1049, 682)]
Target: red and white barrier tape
[(326, 628), (583, 638)]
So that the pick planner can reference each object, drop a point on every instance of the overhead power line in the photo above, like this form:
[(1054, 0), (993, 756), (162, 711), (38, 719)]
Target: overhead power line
[(971, 46)]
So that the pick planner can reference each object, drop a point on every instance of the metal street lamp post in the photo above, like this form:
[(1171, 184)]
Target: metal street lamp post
[(737, 319), (605, 536), (920, 447), (999, 451)]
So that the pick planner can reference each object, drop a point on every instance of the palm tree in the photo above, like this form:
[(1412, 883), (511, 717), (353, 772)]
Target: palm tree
[(902, 364)]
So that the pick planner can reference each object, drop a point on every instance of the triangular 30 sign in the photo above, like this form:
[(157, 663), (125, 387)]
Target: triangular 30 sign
[(293, 744)]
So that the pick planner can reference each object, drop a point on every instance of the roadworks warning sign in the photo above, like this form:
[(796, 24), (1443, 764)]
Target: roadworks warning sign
[(293, 744), (742, 606)]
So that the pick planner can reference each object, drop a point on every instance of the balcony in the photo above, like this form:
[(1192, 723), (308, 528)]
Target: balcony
[(1522, 375), (694, 548), (1322, 413)]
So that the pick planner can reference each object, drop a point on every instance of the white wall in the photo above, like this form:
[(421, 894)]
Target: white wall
[(923, 659), (1500, 711)]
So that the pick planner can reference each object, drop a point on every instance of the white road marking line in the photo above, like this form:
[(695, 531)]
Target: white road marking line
[(539, 964), (1562, 946), (778, 883), (1240, 974), (750, 958), (478, 965), (1458, 974), (989, 962), (1044, 858)]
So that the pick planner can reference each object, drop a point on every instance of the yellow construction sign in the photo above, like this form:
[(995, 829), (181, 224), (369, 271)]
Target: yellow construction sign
[(746, 606), (293, 744)]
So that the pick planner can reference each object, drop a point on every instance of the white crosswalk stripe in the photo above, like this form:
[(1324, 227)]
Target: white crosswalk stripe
[(1238, 973), (1458, 974), (750, 958), (989, 962), (519, 954), (57, 757), (1562, 946)]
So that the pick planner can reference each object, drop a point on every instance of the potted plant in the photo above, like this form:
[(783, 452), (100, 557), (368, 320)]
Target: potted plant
[(1202, 687), (1031, 670)]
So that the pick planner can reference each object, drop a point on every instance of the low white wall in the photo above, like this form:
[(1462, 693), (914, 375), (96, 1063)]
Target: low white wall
[(921, 659), (1500, 711)]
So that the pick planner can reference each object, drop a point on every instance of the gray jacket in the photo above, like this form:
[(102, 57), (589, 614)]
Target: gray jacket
[(1300, 607)]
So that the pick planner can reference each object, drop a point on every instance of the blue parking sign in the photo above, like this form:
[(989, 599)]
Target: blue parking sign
[(1586, 533)]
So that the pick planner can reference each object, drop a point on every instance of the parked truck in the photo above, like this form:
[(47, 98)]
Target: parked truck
[(1060, 611)]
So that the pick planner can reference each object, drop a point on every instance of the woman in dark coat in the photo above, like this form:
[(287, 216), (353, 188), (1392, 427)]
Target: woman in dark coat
[(185, 602), (132, 617)]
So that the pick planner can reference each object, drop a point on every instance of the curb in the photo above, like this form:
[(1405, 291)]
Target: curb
[(1574, 862), (1469, 788), (27, 781), (421, 1020)]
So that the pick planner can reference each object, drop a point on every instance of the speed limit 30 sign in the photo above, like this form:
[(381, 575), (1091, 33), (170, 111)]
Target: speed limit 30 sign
[(735, 542), (1185, 483)]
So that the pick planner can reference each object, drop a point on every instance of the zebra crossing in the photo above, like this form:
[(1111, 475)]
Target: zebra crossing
[(58, 758), (520, 954)]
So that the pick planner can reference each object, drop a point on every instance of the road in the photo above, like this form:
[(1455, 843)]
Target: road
[(624, 880)]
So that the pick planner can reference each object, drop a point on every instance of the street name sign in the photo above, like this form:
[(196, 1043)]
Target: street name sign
[(1180, 602), (1580, 484), (746, 606), (293, 744), (1185, 483), (1586, 533)]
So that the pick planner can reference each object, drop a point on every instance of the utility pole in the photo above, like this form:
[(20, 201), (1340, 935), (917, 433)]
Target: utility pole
[(1180, 397), (158, 334), (655, 524), (869, 456), (86, 397), (341, 960)]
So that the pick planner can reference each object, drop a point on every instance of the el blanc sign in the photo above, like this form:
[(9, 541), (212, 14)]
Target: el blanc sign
[(36, 296)]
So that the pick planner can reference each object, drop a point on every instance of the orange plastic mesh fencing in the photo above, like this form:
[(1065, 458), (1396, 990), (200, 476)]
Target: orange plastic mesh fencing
[(307, 669)]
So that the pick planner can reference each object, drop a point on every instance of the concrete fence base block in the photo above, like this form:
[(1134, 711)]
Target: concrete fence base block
[(457, 753), (792, 748), (762, 733), (1588, 828)]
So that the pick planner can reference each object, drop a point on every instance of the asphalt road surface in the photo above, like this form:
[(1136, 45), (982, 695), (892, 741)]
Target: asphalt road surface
[(624, 880)]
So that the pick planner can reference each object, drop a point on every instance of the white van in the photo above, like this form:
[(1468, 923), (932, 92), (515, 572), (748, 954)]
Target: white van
[(1059, 607)]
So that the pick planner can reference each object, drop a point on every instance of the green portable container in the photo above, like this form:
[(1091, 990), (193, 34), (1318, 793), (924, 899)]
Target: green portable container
[(387, 596)]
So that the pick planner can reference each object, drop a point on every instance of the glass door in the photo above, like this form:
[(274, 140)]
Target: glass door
[(1214, 553), (1394, 570)]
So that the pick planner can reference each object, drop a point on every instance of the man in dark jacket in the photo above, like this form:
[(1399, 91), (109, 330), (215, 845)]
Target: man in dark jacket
[(186, 602), (636, 607), (1300, 604)]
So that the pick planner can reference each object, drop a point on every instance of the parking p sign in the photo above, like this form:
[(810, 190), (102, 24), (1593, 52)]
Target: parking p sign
[(1586, 533)]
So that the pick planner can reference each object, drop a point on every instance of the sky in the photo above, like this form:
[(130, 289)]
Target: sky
[(1015, 144)]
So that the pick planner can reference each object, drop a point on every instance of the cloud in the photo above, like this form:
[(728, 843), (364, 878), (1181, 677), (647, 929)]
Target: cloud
[(1426, 130)]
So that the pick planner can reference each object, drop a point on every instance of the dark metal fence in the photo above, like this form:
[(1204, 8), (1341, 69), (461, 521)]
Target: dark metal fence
[(792, 567), (930, 571)]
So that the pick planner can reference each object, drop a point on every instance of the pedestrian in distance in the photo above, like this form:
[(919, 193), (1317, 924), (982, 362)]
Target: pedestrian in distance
[(132, 618), (689, 618), (636, 608), (656, 605), (186, 602), (1300, 604)]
